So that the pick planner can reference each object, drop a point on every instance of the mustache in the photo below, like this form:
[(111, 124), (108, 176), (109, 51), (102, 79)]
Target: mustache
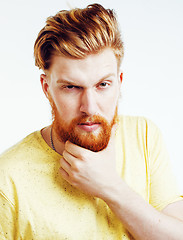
[(89, 120), (95, 119)]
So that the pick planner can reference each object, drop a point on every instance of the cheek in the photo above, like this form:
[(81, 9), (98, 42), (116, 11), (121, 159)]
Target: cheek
[(109, 106), (67, 108), (113, 97)]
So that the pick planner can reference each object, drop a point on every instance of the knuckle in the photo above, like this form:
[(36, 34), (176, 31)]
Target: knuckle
[(76, 166), (73, 177), (83, 156), (72, 174)]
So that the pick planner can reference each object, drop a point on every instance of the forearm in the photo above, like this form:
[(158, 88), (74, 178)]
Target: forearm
[(86, 171), (140, 218)]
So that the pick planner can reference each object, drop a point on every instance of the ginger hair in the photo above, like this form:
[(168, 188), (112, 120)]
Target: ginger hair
[(77, 33)]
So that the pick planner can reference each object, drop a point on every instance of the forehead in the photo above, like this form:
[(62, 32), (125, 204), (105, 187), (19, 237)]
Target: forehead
[(94, 66)]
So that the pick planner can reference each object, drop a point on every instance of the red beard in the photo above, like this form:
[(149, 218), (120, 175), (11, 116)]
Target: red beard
[(94, 141)]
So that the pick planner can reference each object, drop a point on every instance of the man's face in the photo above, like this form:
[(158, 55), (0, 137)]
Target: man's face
[(83, 94)]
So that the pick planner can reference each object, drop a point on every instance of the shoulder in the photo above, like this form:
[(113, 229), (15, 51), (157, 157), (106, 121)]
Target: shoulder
[(137, 124), (19, 150), (139, 131), (19, 163), (13, 167)]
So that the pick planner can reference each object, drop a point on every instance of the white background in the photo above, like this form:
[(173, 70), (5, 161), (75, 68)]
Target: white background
[(153, 79)]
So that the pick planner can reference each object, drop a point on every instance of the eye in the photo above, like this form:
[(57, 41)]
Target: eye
[(104, 85), (71, 87)]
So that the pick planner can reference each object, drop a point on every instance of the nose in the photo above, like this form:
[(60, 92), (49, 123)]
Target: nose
[(88, 103)]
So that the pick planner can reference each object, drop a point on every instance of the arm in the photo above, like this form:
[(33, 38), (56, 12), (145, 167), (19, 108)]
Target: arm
[(142, 220), (86, 171)]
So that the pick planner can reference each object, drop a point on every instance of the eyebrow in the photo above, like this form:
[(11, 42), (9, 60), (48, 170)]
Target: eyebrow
[(60, 80)]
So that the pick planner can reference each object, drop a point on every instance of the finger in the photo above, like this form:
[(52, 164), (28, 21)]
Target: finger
[(75, 150), (64, 174), (69, 157), (65, 165)]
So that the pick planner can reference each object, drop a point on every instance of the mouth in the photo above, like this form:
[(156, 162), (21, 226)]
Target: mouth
[(89, 126)]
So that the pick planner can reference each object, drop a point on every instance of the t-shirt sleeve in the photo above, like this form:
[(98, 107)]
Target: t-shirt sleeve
[(7, 216), (163, 186)]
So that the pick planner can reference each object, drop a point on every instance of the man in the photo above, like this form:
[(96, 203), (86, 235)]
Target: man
[(91, 174)]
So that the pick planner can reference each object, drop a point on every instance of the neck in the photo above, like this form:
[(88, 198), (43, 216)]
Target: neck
[(46, 134)]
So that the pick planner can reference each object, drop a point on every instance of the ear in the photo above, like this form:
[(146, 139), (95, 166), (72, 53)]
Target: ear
[(121, 77), (45, 84), (120, 82)]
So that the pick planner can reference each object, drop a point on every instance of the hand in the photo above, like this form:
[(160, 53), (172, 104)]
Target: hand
[(92, 172)]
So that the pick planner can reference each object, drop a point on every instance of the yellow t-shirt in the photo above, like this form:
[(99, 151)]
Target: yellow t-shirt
[(36, 203)]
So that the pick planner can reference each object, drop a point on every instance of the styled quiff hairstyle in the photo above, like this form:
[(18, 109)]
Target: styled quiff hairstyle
[(77, 33)]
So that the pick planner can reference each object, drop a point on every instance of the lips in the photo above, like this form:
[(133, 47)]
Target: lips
[(89, 126), (88, 123)]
